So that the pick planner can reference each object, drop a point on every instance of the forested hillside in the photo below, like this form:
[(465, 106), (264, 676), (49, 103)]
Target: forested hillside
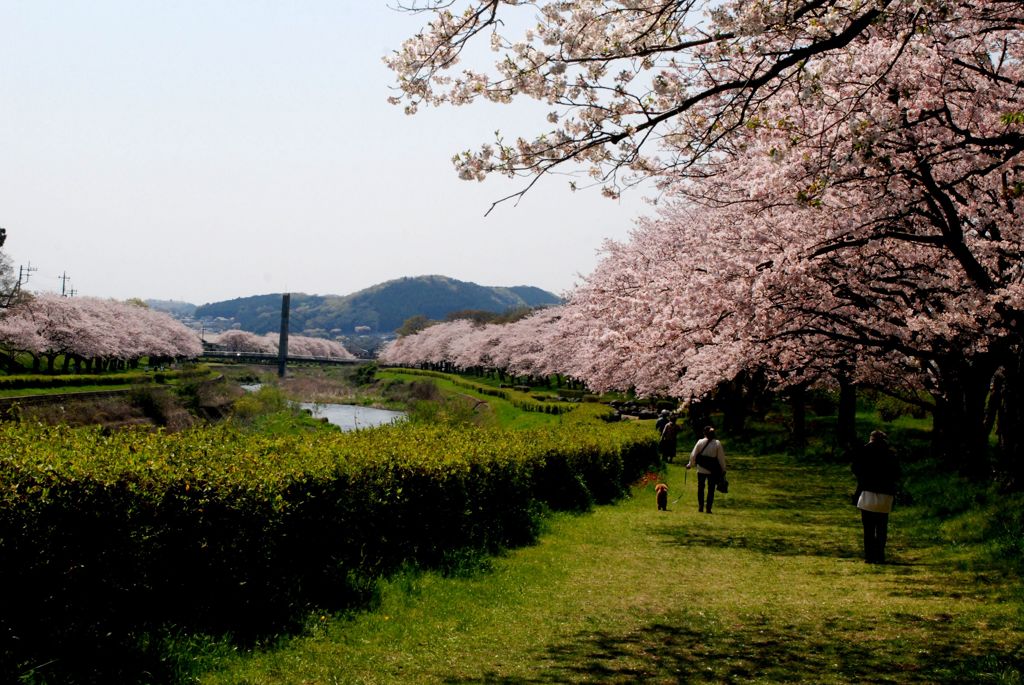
[(381, 308)]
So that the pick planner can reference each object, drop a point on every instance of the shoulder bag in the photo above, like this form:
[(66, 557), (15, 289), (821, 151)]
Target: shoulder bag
[(708, 461)]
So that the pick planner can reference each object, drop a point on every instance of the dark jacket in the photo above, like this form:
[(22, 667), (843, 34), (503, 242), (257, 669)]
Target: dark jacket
[(877, 468)]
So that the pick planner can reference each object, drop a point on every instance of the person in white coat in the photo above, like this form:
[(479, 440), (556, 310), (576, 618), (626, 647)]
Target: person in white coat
[(708, 456)]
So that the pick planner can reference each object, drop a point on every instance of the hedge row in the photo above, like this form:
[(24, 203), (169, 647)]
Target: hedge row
[(107, 539), (20, 382), (520, 400)]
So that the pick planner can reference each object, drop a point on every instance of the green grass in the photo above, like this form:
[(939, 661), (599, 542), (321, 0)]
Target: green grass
[(503, 413), (113, 381), (65, 390), (770, 588)]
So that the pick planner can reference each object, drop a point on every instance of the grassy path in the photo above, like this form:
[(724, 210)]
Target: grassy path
[(770, 588)]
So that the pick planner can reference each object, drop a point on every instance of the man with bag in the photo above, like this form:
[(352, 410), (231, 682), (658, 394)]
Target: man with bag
[(708, 456)]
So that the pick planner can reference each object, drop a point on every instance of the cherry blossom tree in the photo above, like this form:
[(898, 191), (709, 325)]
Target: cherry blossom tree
[(843, 182), (305, 346), (298, 345), (871, 229), (93, 332), (244, 341), (639, 87), (19, 335)]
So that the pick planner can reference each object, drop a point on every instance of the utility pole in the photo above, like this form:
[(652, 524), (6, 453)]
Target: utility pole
[(63, 278), (25, 273), (282, 345)]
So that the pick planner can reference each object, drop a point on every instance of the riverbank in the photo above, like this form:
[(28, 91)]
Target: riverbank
[(771, 588)]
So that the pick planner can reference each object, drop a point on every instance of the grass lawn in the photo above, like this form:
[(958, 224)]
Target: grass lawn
[(770, 588), (63, 390), (505, 414)]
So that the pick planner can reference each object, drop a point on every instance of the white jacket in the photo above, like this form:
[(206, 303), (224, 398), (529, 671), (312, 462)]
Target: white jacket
[(715, 450)]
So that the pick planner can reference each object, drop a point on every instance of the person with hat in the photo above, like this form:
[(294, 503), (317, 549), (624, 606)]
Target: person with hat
[(659, 425)]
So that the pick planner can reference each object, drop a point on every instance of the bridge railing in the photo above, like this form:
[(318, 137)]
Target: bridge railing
[(272, 358)]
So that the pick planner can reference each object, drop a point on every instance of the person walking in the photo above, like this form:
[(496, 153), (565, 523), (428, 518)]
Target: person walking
[(667, 443), (662, 421), (878, 473), (708, 456)]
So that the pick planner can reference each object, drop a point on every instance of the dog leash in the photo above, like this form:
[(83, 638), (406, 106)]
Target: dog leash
[(686, 473)]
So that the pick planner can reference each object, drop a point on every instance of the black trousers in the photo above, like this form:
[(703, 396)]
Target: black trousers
[(876, 531), (711, 480)]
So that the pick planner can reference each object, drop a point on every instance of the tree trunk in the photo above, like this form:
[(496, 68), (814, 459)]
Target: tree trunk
[(798, 402), (959, 434), (846, 419), (731, 399), (1010, 420), (698, 417)]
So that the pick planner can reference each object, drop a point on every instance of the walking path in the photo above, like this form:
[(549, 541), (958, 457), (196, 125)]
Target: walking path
[(770, 588)]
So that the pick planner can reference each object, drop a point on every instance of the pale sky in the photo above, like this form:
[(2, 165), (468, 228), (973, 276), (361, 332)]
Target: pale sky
[(202, 151)]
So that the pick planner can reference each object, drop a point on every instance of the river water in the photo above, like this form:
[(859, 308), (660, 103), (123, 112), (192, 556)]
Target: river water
[(347, 417), (352, 417)]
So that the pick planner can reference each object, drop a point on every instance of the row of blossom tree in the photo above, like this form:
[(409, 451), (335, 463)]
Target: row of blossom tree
[(298, 345), (841, 189), (90, 333)]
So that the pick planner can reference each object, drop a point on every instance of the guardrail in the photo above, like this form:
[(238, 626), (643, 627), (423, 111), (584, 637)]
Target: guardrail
[(271, 358)]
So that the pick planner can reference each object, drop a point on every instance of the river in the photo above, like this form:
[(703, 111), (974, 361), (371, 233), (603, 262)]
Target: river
[(347, 417), (352, 417)]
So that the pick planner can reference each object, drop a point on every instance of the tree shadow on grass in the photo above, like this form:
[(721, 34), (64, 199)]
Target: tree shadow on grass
[(673, 650), (758, 541)]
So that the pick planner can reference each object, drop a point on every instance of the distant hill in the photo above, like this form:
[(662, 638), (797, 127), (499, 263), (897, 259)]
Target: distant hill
[(179, 310), (378, 309)]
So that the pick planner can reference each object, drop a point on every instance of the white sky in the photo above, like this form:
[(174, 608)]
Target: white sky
[(202, 151)]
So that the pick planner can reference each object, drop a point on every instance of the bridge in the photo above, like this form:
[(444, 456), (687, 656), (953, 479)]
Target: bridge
[(272, 358)]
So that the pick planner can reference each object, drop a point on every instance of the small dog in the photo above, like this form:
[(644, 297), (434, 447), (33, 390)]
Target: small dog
[(661, 495)]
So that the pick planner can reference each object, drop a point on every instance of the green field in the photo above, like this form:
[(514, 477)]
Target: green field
[(771, 588)]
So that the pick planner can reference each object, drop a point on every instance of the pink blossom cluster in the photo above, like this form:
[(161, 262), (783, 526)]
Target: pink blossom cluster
[(298, 345), (842, 185), (633, 87), (90, 328), (865, 217), (524, 347)]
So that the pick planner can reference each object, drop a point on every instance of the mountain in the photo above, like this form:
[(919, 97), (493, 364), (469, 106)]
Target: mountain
[(177, 309), (379, 309)]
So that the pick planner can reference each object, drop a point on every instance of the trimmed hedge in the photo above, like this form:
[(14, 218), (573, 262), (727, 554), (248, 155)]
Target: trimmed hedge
[(21, 382), (520, 399), (108, 539)]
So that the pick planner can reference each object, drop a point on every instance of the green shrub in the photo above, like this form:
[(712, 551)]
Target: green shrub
[(27, 381), (365, 373), (891, 408), (268, 399), (109, 538)]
